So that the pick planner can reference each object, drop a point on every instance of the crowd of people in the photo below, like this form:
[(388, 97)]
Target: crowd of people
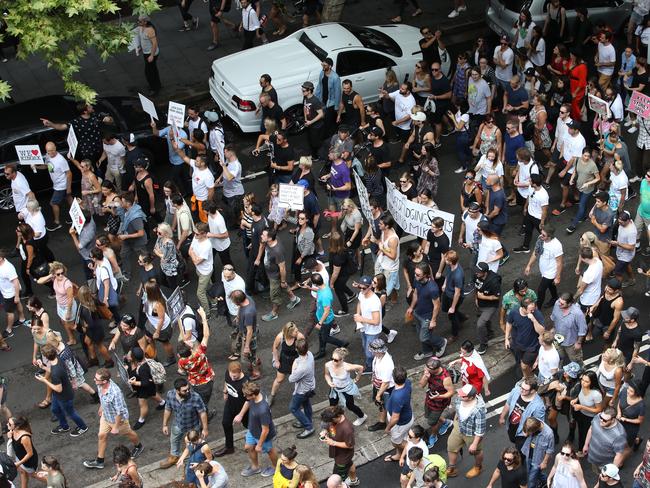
[(524, 136)]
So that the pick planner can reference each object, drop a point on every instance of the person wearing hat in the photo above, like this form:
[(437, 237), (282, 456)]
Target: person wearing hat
[(440, 390), (609, 476), (606, 440), (468, 431), (569, 321), (571, 152), (625, 245), (368, 317), (314, 118), (421, 133), (382, 380), (629, 336), (487, 284), (548, 249), (606, 312), (404, 102), (328, 91)]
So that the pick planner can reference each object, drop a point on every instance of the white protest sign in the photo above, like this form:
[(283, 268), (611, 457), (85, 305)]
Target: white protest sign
[(598, 105), (148, 106), (176, 114), (291, 196), (72, 142), (413, 217), (363, 197), (29, 154), (77, 216)]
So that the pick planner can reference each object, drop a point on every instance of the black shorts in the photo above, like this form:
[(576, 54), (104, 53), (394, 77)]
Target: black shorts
[(342, 469), (565, 181), (214, 6), (165, 334), (310, 8), (620, 267), (10, 305), (524, 356)]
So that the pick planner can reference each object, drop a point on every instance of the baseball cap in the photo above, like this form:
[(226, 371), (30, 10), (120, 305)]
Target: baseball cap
[(211, 116), (378, 345), (467, 390), (482, 267), (610, 470), (614, 284), (630, 313), (365, 281), (308, 85), (574, 124), (504, 37), (303, 183), (419, 116), (376, 131), (572, 369), (474, 207), (434, 363), (625, 216)]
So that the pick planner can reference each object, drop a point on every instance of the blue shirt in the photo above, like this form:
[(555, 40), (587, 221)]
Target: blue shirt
[(455, 278), (399, 402), (427, 292), (511, 146), (324, 298), (524, 335), (516, 97), (333, 89), (174, 157), (498, 199)]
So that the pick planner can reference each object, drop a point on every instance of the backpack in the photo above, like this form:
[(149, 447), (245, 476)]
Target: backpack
[(158, 373), (198, 326), (9, 470)]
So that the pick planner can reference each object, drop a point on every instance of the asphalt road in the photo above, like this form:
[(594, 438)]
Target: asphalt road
[(24, 392)]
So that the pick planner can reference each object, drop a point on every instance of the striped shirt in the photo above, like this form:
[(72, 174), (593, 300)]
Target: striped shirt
[(113, 403), (605, 443)]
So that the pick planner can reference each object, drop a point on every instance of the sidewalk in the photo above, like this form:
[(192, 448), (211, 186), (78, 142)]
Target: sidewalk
[(184, 62), (311, 451)]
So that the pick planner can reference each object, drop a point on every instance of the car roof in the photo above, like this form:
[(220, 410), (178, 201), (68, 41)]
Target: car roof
[(332, 36), (23, 118)]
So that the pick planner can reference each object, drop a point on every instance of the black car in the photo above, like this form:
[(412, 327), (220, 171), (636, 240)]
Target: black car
[(20, 124)]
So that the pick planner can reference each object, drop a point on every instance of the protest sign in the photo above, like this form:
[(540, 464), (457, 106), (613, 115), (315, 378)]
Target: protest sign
[(30, 154), (413, 217), (122, 372), (72, 142), (176, 114), (291, 196), (148, 106), (77, 216), (598, 105), (363, 197), (175, 304), (640, 105)]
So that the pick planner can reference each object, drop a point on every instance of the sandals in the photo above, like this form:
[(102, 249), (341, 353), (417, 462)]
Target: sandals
[(234, 357), (391, 459), (44, 404)]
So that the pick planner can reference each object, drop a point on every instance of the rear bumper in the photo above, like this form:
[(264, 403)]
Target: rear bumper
[(244, 121)]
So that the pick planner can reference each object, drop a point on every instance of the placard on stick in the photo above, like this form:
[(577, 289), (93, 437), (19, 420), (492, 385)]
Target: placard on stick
[(598, 105), (640, 105), (176, 114), (72, 142), (77, 216), (29, 154), (148, 106), (175, 305), (291, 196)]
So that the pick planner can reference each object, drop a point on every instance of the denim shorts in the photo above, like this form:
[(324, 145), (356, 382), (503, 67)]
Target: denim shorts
[(58, 197), (252, 441)]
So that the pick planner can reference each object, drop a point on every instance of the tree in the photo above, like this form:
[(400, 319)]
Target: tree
[(62, 31)]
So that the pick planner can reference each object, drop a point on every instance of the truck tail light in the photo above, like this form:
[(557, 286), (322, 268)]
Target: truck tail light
[(244, 105)]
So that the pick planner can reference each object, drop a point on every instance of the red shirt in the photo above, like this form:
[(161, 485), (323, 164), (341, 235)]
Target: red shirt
[(472, 374), (198, 369)]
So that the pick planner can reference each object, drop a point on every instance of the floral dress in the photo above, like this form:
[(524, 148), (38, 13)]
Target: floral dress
[(90, 201), (542, 137), (429, 173), (276, 214), (487, 140)]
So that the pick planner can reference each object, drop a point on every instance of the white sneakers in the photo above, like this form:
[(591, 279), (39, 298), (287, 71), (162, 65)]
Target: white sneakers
[(360, 421), (391, 335), (454, 13)]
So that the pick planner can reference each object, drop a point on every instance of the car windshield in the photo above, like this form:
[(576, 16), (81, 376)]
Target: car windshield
[(373, 39), (317, 51), (515, 5)]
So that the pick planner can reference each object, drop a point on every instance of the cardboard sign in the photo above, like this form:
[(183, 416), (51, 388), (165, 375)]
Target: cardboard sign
[(77, 216), (598, 105), (72, 142), (640, 105), (363, 197), (413, 217), (175, 305), (291, 196), (176, 114), (148, 106), (30, 154)]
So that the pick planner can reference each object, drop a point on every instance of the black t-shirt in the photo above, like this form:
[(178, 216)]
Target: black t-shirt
[(512, 478), (490, 285), (411, 193), (437, 247), (342, 261), (89, 135), (256, 234), (430, 54), (628, 338), (273, 113), (282, 156), (440, 87), (380, 153), (326, 89), (236, 398), (313, 105), (59, 376), (273, 94)]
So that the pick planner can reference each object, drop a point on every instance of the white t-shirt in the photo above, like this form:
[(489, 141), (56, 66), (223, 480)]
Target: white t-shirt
[(217, 141), (250, 22), (324, 274), (616, 107), (618, 182), (217, 225), (487, 250), (382, 369), (561, 132), (103, 271), (626, 235), (573, 146), (189, 323), (470, 226), (196, 124), (202, 181), (368, 305), (547, 261), (203, 249), (237, 283), (536, 201), (485, 168), (547, 361), (7, 275), (36, 222), (233, 187), (606, 54), (19, 190), (538, 57), (115, 156), (523, 175), (503, 74), (57, 166), (592, 277), (403, 106)]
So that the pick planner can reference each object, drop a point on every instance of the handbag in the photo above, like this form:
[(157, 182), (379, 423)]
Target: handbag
[(40, 271)]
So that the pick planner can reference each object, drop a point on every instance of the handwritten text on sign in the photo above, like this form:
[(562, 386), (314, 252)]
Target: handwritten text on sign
[(291, 196), (176, 114), (413, 217), (640, 105)]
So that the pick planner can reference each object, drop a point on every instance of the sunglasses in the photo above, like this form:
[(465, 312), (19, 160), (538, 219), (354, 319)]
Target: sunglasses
[(565, 112), (402, 181), (603, 419), (58, 274), (336, 360), (435, 69), (567, 454)]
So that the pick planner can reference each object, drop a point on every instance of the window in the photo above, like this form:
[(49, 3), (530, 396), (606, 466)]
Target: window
[(374, 39), (353, 62), (313, 48)]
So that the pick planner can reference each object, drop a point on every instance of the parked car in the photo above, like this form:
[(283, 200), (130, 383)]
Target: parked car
[(361, 54), (20, 125), (501, 15)]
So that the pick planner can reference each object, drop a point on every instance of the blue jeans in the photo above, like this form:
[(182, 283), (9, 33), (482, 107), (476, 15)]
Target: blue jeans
[(366, 339), (462, 148), (430, 342), (61, 408), (176, 437), (536, 476), (300, 407), (582, 208)]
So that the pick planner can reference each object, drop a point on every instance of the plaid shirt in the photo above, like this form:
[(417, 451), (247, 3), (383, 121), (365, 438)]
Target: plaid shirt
[(113, 403), (475, 424), (186, 412)]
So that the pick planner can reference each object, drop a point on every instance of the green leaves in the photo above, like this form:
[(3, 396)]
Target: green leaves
[(62, 32)]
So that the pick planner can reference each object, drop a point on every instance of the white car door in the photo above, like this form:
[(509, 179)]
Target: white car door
[(366, 69)]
